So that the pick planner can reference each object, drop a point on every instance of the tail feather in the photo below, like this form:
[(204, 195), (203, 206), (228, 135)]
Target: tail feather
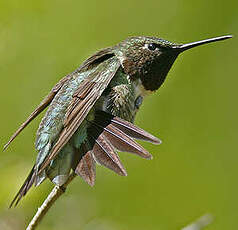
[(120, 140), (86, 168), (128, 128), (106, 133), (124, 143), (105, 155), (134, 131)]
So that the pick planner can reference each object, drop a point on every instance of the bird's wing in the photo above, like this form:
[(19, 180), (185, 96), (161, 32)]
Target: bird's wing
[(87, 93), (83, 100), (47, 100), (89, 63)]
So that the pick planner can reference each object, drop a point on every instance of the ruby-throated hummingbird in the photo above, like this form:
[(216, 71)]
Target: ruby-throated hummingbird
[(91, 110)]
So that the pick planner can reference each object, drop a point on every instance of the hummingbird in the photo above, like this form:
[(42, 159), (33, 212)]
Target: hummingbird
[(91, 111)]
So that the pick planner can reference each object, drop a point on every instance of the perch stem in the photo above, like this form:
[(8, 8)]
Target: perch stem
[(48, 202)]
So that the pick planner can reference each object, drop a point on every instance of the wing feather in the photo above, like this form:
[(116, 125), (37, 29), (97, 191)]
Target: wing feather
[(46, 101), (24, 188), (99, 79), (89, 63), (80, 99)]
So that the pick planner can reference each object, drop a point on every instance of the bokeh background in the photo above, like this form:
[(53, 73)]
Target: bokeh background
[(195, 113)]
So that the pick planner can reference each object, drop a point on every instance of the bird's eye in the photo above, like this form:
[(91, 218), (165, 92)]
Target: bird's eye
[(152, 46)]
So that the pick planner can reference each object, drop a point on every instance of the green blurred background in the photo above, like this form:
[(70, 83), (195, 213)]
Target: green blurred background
[(195, 113)]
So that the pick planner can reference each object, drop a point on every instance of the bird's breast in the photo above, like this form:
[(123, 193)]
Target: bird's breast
[(123, 98)]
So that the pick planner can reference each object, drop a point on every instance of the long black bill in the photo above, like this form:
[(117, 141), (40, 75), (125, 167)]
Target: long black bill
[(187, 46)]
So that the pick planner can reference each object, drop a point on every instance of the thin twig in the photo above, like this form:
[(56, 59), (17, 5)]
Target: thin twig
[(49, 201), (200, 223)]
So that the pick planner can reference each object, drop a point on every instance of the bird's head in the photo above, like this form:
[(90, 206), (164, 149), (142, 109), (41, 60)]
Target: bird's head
[(150, 59)]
